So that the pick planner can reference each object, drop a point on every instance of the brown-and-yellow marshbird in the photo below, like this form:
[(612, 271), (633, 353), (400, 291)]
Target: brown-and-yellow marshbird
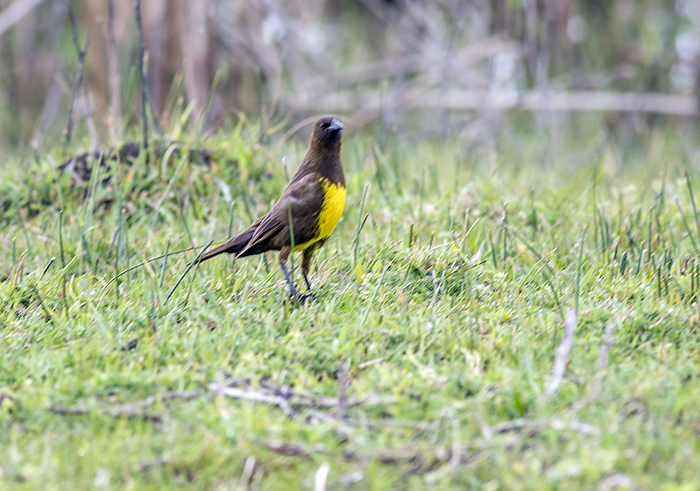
[(312, 204)]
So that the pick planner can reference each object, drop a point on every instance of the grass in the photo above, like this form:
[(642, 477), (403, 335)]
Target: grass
[(441, 304)]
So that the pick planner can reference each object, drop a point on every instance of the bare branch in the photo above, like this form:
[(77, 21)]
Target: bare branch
[(80, 76), (113, 67), (406, 65), (142, 73), (94, 138), (368, 105), (50, 108), (12, 14)]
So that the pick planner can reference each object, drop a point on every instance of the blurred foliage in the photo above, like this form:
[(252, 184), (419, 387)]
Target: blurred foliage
[(283, 61)]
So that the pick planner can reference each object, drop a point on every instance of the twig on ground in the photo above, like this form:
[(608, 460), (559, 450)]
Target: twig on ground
[(321, 477), (384, 456), (635, 406), (562, 356), (418, 426), (392, 423), (366, 364), (388, 456), (149, 401), (287, 448), (269, 393), (424, 456), (247, 474), (536, 425), (131, 410), (422, 460), (114, 413), (368, 400), (147, 464), (287, 400), (256, 396)]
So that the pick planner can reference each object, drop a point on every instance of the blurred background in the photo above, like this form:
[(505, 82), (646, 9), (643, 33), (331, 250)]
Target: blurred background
[(583, 70)]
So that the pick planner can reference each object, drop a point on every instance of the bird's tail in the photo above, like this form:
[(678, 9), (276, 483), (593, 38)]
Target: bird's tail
[(232, 246)]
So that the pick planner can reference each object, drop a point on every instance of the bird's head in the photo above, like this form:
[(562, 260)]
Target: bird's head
[(328, 131)]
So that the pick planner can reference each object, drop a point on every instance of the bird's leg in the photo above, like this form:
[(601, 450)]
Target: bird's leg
[(283, 256), (306, 266), (306, 279), (309, 293), (292, 289)]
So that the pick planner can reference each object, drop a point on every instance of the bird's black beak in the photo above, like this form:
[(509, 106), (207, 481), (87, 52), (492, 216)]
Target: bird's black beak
[(336, 125)]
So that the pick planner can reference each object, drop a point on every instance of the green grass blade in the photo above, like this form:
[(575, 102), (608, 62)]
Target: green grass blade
[(189, 266)]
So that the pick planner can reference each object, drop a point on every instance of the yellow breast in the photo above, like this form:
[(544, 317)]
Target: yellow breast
[(333, 206)]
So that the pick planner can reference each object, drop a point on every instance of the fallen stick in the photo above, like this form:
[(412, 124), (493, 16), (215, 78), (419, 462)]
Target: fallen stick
[(119, 413), (562, 356), (273, 395), (540, 424), (256, 396)]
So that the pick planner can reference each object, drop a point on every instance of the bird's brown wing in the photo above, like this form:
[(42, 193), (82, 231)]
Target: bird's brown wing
[(305, 198)]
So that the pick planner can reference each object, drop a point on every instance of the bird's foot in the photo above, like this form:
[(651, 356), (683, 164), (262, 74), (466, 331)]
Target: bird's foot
[(309, 295), (294, 294), (301, 298)]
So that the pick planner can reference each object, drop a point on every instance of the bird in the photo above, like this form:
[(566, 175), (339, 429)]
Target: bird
[(307, 212)]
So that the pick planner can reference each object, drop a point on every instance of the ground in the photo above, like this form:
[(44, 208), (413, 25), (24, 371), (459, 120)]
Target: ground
[(434, 356)]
